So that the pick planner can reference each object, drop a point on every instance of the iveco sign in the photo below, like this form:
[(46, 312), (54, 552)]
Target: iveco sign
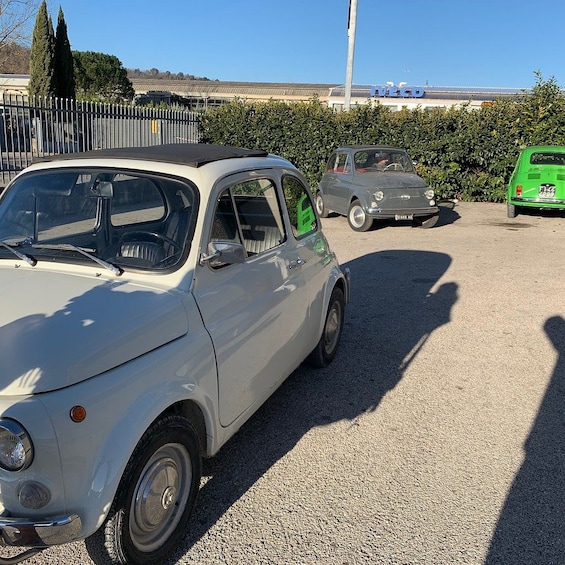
[(400, 91)]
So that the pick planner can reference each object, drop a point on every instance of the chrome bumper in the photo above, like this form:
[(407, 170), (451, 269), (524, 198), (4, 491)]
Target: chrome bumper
[(23, 532)]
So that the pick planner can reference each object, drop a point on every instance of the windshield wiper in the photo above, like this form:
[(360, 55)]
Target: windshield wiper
[(30, 260), (71, 247)]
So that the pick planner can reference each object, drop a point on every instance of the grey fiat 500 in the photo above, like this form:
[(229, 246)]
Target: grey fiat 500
[(368, 182)]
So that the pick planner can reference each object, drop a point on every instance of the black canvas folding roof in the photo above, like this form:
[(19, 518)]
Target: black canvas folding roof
[(192, 154)]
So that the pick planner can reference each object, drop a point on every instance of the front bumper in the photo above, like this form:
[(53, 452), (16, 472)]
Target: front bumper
[(402, 213), (23, 532)]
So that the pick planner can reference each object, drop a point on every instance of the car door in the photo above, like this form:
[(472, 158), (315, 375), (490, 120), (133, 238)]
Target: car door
[(312, 249), (337, 184), (256, 311)]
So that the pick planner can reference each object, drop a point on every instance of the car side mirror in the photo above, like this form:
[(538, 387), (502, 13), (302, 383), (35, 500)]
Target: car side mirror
[(223, 253)]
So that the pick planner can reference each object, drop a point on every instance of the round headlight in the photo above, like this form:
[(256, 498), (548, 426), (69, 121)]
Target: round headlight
[(16, 450), (429, 194), (379, 195)]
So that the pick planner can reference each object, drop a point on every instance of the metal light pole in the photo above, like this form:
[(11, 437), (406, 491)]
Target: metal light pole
[(351, 24)]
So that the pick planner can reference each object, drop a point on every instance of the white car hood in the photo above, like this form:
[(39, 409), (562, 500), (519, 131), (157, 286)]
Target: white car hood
[(58, 329)]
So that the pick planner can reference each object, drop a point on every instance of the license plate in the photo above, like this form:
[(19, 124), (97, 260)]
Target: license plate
[(404, 217), (546, 191)]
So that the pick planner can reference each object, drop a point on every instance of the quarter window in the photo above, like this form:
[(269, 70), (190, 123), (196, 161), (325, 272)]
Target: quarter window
[(299, 206), (343, 163)]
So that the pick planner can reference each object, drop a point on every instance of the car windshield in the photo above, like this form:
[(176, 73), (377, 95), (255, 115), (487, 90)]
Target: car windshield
[(548, 158), (132, 220), (379, 159)]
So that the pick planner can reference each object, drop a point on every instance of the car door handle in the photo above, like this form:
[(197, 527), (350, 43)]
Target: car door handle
[(296, 263)]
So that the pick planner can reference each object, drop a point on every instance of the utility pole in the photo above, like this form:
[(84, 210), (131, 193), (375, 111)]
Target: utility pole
[(351, 25)]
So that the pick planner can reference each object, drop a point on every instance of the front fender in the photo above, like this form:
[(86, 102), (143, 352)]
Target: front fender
[(120, 406)]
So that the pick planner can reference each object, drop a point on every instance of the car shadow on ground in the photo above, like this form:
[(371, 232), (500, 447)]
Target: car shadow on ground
[(530, 526), (396, 304), (447, 213)]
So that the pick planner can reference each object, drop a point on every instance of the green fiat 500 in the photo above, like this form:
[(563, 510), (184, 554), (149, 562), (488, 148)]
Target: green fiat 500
[(538, 180)]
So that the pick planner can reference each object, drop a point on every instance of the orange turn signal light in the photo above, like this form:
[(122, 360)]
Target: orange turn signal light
[(78, 413)]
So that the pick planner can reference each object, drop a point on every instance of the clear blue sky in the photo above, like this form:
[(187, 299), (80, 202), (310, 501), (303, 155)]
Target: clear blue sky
[(498, 43)]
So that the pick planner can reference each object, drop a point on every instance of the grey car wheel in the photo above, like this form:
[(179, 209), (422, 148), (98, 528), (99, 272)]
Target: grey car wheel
[(357, 218), (511, 210), (320, 208)]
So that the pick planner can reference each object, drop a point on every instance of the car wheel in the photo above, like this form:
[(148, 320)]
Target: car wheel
[(324, 352), (357, 218), (511, 210), (155, 497), (429, 222), (320, 208)]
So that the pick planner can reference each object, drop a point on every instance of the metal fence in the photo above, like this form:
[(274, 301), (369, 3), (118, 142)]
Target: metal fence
[(38, 127)]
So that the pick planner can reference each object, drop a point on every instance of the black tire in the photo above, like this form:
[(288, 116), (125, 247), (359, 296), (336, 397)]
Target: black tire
[(155, 497), (324, 352), (357, 218), (511, 210), (320, 208), (429, 222)]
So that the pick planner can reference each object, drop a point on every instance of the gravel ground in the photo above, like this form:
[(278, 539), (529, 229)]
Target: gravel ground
[(436, 436)]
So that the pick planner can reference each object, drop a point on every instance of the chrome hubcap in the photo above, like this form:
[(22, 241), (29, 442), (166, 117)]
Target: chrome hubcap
[(160, 497), (357, 216)]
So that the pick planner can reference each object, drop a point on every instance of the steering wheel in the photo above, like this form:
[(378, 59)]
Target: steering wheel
[(394, 167), (151, 236)]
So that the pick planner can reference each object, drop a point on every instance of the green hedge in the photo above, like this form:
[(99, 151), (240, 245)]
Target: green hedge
[(463, 153)]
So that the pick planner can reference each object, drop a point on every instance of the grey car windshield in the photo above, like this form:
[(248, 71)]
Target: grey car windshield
[(133, 220), (367, 161)]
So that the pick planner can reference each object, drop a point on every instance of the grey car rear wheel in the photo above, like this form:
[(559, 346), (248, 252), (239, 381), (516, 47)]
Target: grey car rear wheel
[(320, 208)]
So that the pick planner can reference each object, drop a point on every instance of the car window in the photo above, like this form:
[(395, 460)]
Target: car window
[(367, 161), (547, 158), (343, 164), (300, 207), (249, 213)]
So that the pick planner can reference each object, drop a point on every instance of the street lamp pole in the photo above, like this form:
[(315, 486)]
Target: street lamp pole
[(351, 25)]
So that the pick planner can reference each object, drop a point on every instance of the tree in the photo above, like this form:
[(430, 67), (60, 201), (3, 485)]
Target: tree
[(101, 77), (41, 65), (16, 17), (63, 61)]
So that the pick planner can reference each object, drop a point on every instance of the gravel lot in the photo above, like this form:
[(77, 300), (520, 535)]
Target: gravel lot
[(437, 436)]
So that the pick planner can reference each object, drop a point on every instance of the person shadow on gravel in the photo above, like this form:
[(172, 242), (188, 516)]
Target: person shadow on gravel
[(393, 310), (530, 526)]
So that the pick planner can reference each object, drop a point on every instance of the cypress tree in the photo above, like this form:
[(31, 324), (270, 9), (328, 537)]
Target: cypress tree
[(41, 64), (63, 61)]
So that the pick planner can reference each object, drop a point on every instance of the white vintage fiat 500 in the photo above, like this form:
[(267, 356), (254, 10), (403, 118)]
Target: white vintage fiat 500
[(152, 299)]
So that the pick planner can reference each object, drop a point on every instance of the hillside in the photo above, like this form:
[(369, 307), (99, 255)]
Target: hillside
[(14, 60)]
